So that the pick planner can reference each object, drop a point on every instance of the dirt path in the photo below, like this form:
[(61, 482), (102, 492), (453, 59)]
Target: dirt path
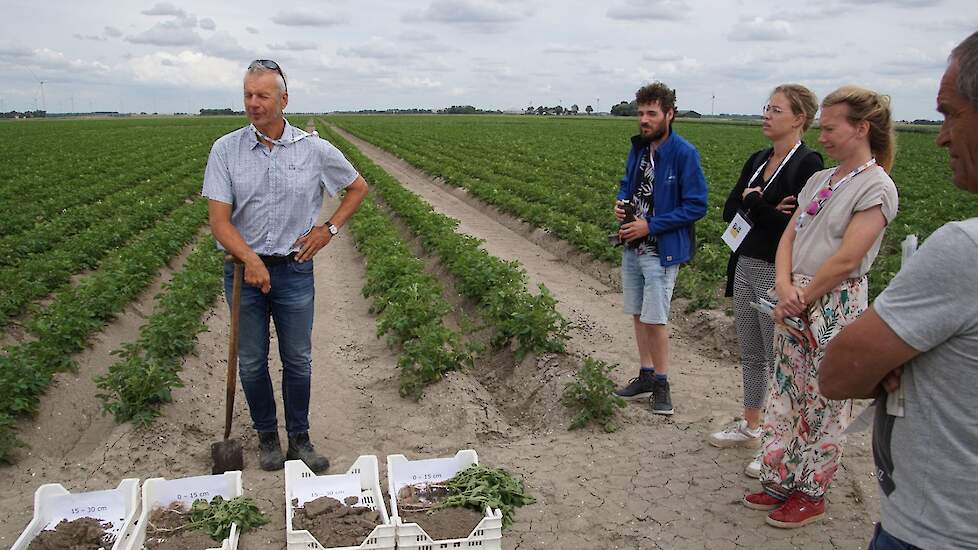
[(654, 484)]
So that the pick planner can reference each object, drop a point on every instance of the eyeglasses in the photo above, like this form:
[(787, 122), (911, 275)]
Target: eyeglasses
[(272, 66), (771, 109)]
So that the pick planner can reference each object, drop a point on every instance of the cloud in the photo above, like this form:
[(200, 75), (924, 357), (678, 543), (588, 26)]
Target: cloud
[(112, 32), (207, 24), (12, 51), (167, 33), (913, 62), (760, 29), (896, 3), (410, 82), (649, 10), (294, 45), (567, 49), (94, 37), (186, 70), (474, 15), (661, 55), (54, 60), (307, 19), (222, 44), (252, 30), (164, 8), (375, 48)]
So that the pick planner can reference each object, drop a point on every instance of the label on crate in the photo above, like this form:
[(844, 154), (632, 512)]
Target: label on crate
[(106, 506), (189, 489), (421, 472), (339, 487)]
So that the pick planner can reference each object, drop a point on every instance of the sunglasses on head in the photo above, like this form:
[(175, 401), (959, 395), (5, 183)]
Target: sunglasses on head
[(272, 66)]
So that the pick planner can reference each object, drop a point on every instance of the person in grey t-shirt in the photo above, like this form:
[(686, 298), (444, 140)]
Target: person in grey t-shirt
[(922, 333), (265, 185)]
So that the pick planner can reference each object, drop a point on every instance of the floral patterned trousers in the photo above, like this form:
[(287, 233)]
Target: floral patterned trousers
[(804, 431)]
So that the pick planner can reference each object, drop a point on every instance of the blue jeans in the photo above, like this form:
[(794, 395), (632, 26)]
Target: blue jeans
[(647, 286), (885, 541), (290, 305)]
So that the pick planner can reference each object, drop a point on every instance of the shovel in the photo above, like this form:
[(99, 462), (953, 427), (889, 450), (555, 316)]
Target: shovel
[(227, 455)]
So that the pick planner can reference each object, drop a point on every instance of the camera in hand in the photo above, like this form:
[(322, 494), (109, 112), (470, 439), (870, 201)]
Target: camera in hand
[(630, 211)]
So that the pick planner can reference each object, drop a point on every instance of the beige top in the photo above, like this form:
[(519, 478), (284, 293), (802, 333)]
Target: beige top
[(821, 235)]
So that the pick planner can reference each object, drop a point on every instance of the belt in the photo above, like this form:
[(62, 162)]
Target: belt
[(277, 260)]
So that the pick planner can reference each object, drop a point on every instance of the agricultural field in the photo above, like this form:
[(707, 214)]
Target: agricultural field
[(561, 174), (438, 326)]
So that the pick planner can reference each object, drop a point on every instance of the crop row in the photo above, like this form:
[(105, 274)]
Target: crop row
[(409, 303), (537, 169), (45, 236), (143, 378), (57, 165), (531, 323), (79, 311), (39, 274)]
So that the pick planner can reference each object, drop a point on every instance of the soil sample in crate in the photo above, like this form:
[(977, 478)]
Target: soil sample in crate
[(419, 504), (80, 534), (168, 529), (335, 523)]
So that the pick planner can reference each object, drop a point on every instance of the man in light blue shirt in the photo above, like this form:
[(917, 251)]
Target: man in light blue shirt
[(265, 185)]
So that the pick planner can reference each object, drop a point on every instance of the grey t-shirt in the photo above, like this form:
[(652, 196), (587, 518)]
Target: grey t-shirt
[(927, 460), (821, 235)]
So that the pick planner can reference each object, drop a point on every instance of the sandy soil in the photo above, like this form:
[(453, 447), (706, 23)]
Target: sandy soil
[(656, 483)]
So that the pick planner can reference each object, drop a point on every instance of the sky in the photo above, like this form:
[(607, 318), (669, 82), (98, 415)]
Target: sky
[(721, 56)]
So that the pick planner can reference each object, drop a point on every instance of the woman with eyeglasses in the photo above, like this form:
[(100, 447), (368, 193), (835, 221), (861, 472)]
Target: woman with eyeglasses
[(821, 266), (764, 197)]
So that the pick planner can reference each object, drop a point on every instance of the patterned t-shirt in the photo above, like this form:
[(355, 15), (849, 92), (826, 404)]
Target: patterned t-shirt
[(642, 199)]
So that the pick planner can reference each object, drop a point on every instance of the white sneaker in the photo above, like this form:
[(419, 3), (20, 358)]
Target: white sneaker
[(738, 435), (754, 468)]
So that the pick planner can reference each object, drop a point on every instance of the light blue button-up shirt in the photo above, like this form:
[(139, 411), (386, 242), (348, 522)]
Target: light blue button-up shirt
[(276, 195)]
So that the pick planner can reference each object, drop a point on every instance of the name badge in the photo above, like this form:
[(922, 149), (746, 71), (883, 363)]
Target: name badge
[(736, 232)]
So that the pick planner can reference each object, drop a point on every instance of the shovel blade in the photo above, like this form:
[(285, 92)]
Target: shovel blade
[(227, 456)]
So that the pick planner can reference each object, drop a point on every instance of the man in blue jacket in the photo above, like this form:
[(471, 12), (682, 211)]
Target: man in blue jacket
[(665, 183)]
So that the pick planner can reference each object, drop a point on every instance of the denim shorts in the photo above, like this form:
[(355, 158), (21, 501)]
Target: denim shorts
[(647, 286)]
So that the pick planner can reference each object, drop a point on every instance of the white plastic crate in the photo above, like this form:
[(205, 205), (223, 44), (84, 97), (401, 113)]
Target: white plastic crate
[(365, 468), (52, 503), (159, 492), (487, 535)]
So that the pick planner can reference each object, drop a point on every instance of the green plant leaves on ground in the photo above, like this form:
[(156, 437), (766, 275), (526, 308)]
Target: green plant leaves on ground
[(590, 396), (215, 517), (478, 487), (135, 386)]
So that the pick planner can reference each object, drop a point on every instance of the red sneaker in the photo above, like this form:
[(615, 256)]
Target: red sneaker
[(800, 509), (762, 501)]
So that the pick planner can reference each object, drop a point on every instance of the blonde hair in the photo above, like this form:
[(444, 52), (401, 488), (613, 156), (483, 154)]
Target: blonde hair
[(802, 101), (867, 105)]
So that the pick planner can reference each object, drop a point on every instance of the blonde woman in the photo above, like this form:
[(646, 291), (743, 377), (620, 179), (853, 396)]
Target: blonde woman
[(821, 266), (766, 195)]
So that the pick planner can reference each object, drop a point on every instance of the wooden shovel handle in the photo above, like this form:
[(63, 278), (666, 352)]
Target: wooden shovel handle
[(233, 345)]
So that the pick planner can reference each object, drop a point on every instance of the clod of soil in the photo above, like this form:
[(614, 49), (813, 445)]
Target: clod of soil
[(334, 523), (166, 530), (80, 534), (445, 523)]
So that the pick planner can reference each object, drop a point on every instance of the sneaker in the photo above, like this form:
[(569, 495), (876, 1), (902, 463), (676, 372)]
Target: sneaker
[(661, 400), (799, 510), (754, 468), (763, 501), (738, 435), (300, 448), (270, 452), (638, 388)]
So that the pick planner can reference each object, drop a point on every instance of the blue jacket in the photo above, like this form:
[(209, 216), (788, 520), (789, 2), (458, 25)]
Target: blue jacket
[(679, 195)]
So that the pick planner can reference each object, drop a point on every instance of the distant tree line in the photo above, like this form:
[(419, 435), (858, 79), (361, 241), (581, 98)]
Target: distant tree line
[(557, 110), (25, 114), (220, 112)]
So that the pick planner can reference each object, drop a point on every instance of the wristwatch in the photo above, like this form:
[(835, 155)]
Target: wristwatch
[(333, 230)]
